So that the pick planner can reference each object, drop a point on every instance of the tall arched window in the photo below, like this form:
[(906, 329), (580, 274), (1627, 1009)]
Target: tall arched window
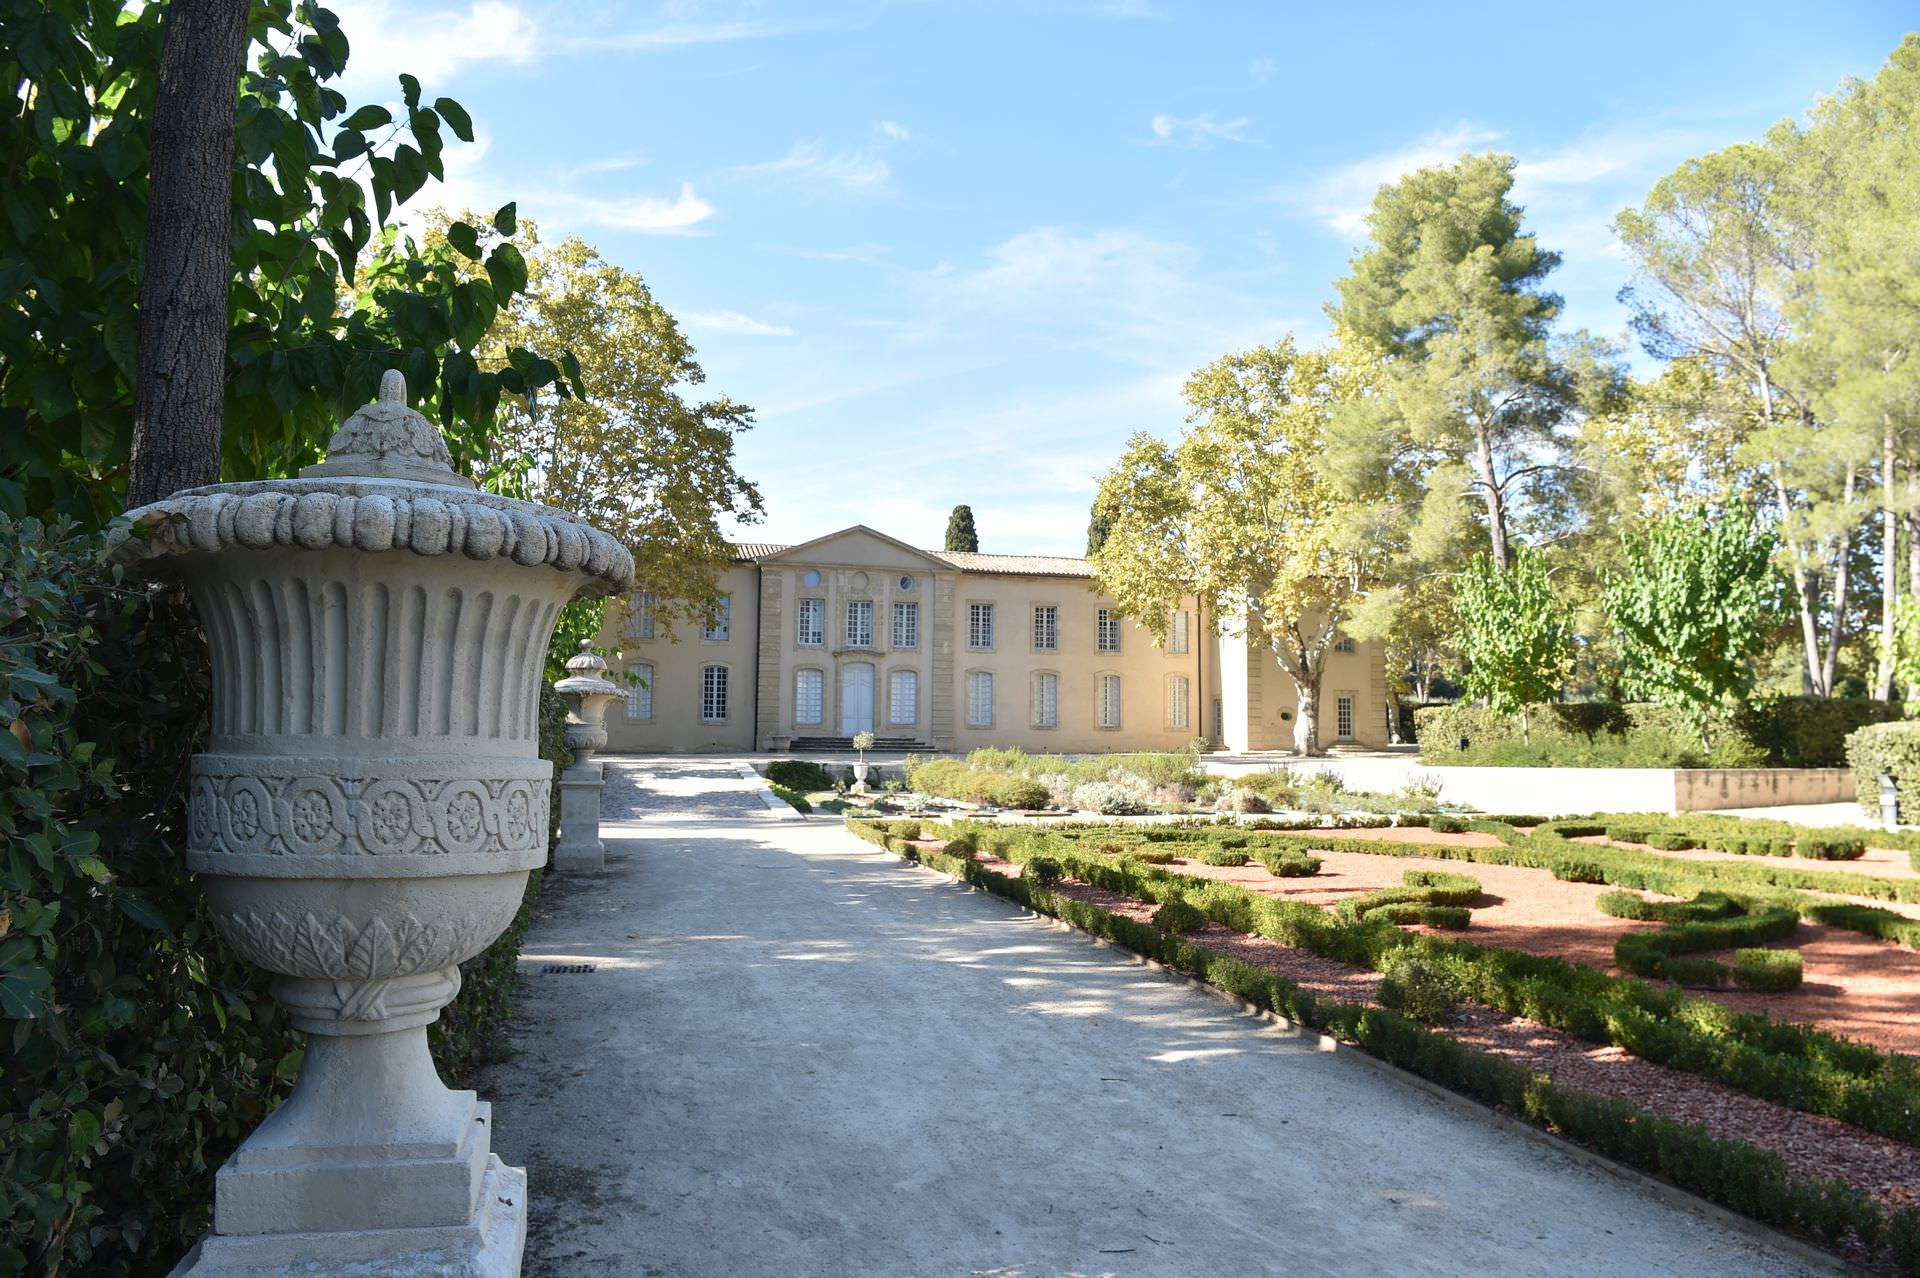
[(1109, 701), (809, 697), (713, 693), (980, 699), (903, 697)]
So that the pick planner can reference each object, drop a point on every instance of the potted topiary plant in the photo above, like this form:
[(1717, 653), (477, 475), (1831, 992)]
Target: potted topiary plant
[(862, 742)]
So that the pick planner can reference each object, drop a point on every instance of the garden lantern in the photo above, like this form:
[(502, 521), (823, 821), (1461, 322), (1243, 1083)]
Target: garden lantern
[(364, 817)]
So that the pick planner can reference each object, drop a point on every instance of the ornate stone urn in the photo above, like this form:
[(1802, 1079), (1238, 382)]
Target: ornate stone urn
[(588, 692), (364, 818)]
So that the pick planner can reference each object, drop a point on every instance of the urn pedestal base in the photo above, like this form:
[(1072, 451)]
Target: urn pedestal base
[(488, 1245), (579, 850)]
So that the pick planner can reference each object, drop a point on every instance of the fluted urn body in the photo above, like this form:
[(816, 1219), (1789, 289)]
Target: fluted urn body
[(365, 815)]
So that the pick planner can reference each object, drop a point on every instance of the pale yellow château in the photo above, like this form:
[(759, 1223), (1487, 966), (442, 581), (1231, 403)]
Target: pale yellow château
[(950, 651)]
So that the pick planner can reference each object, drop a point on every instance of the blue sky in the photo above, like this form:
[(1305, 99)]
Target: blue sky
[(959, 252)]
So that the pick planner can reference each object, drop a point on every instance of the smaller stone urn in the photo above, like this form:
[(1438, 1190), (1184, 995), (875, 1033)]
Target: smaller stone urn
[(863, 742), (587, 692)]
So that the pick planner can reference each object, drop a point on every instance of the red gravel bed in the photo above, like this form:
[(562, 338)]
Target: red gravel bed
[(1810, 1145), (1855, 986)]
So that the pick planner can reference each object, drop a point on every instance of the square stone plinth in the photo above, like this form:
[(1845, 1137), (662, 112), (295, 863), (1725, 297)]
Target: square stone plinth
[(489, 1245)]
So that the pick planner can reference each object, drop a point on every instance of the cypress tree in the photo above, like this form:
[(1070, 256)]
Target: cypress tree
[(960, 532)]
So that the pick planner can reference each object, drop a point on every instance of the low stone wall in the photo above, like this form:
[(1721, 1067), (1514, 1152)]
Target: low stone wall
[(1698, 789), (1577, 791)]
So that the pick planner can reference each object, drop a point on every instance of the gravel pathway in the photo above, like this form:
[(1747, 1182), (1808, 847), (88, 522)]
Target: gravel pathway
[(642, 788), (797, 1055)]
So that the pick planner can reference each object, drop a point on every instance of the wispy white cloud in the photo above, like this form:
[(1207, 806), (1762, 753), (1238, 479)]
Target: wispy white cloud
[(895, 130), (1343, 197), (388, 37), (734, 322), (611, 164), (1609, 154), (672, 35), (435, 43), (1261, 70), (649, 214), (1136, 297), (472, 184), (1196, 130), (848, 169)]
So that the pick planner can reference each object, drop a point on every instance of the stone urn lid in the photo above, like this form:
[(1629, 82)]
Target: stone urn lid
[(389, 439), (587, 675), (387, 484)]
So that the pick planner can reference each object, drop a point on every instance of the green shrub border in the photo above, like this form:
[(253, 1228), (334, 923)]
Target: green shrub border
[(1710, 921), (796, 800), (1795, 1065), (1750, 1181)]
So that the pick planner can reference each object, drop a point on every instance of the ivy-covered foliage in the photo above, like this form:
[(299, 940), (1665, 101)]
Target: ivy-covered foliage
[(135, 1049), (139, 1049)]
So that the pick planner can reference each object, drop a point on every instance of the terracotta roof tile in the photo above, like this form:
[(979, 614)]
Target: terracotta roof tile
[(1015, 565)]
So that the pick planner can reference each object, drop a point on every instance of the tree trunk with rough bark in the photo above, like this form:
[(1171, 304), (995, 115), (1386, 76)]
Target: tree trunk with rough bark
[(180, 386)]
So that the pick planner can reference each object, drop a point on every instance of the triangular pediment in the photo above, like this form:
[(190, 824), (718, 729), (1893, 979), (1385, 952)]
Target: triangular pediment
[(858, 546)]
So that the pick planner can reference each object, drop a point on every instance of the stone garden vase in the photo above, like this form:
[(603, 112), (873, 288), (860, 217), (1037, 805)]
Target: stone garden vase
[(588, 692), (364, 818)]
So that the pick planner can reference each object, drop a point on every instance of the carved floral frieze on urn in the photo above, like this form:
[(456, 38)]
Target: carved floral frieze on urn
[(364, 818)]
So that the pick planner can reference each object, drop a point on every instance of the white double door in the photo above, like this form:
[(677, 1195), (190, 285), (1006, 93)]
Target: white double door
[(856, 698)]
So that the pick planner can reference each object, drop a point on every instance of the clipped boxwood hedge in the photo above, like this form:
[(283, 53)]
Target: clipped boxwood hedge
[(1782, 732), (1752, 1181), (1892, 748)]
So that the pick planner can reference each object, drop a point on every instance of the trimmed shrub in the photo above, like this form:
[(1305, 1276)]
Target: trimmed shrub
[(1893, 749), (944, 777), (1830, 848), (1789, 732), (1043, 870), (1152, 856), (1286, 863), (1178, 916), (1425, 991), (1622, 833), (1573, 869), (1017, 792), (1671, 841), (1225, 856), (795, 800), (802, 775), (1769, 971), (1710, 921), (1242, 800), (1108, 798)]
